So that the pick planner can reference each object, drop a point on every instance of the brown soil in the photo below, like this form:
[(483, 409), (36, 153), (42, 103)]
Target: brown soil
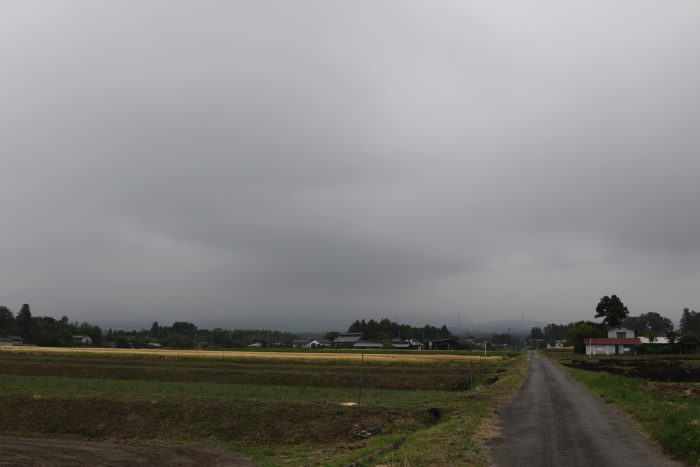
[(16, 451), (686, 390), (249, 422)]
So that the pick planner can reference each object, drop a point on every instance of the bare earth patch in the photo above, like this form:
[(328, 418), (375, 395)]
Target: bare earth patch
[(16, 451)]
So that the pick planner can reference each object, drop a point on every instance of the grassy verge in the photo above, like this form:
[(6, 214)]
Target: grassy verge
[(669, 413), (461, 438)]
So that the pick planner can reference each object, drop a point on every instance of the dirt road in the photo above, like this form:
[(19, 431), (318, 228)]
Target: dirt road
[(16, 451), (553, 421)]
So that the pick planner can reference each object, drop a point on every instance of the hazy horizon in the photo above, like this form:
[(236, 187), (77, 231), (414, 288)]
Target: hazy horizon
[(289, 165)]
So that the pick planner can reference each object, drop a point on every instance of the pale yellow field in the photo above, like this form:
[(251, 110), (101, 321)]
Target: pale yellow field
[(407, 356)]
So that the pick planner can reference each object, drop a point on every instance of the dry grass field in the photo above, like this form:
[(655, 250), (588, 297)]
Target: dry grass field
[(350, 355)]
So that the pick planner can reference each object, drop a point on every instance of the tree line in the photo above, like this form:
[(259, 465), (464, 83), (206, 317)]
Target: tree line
[(386, 329), (186, 335), (45, 330), (614, 313), (50, 332)]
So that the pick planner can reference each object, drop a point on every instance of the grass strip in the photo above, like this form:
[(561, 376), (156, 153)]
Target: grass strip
[(44, 385)]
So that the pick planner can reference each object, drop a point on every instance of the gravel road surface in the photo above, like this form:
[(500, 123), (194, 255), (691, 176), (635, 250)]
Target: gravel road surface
[(553, 421)]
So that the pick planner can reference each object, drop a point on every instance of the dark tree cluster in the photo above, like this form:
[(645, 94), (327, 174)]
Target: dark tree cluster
[(690, 322), (386, 329), (612, 310), (650, 323), (551, 332), (186, 335), (44, 330), (504, 340), (689, 329), (583, 330), (572, 333)]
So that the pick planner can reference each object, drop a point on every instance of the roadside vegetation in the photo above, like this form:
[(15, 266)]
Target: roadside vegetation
[(661, 394), (292, 411)]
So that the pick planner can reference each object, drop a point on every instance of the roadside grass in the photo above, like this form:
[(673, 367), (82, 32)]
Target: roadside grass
[(461, 439), (668, 416), (279, 412)]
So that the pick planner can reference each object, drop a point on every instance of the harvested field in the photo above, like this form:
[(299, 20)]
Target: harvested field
[(339, 373), (296, 408)]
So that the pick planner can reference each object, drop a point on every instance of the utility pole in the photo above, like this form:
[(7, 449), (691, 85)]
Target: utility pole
[(362, 370)]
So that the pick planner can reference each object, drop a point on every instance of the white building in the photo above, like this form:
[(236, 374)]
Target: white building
[(620, 341)]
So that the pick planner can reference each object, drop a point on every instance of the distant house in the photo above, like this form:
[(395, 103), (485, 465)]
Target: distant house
[(410, 344), (657, 340), (560, 344), (12, 340), (256, 344), (154, 345), (620, 341), (347, 339), (311, 343), (17, 340), (82, 340)]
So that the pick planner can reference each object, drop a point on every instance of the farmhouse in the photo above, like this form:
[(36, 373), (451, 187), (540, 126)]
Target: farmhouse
[(11, 340), (410, 344), (82, 340), (620, 341), (655, 340), (311, 343), (560, 344)]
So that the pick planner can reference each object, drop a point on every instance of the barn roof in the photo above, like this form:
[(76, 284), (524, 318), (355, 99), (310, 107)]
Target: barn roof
[(348, 337)]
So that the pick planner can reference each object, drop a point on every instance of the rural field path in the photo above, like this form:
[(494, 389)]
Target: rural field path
[(554, 421), (64, 452)]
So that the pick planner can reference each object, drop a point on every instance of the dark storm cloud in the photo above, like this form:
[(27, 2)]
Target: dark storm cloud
[(305, 164)]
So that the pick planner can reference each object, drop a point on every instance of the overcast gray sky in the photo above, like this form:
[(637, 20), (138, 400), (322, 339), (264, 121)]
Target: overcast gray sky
[(302, 164)]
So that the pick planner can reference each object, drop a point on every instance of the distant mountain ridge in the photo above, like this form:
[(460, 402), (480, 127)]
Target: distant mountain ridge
[(510, 326)]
